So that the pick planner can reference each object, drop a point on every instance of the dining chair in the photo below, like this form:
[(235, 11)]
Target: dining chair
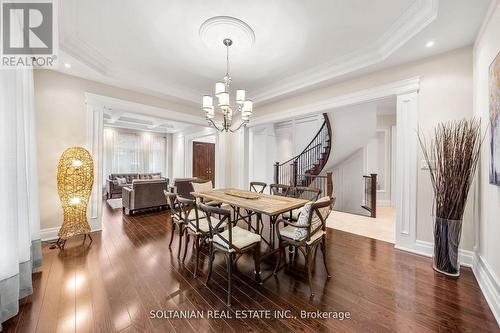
[(177, 219), (306, 234), (232, 242), (302, 192), (278, 189), (196, 227), (258, 187)]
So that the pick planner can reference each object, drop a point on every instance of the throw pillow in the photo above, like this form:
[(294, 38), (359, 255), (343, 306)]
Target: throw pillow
[(155, 177), (303, 220), (301, 233), (121, 181)]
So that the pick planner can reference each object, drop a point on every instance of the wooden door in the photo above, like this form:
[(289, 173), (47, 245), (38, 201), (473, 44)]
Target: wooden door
[(204, 161)]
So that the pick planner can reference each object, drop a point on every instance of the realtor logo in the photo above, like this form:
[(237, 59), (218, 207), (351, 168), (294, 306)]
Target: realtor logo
[(28, 33)]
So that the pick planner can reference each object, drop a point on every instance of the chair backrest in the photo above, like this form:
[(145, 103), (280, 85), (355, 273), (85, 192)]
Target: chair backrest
[(174, 205), (316, 214), (303, 192), (187, 206), (278, 189), (258, 187), (184, 187), (202, 186), (216, 228)]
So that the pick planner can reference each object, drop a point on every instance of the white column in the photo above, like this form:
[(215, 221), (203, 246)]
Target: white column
[(406, 170), (95, 129)]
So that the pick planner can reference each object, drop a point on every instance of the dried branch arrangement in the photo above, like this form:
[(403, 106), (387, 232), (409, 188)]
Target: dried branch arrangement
[(452, 157)]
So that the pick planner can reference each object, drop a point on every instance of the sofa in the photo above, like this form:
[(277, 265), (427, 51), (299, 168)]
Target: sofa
[(117, 181), (144, 194)]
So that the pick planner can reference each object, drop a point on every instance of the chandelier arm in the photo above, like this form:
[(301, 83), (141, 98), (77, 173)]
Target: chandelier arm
[(243, 124), (214, 125)]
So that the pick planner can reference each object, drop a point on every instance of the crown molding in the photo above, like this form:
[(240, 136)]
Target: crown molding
[(109, 103), (366, 95), (410, 23), (486, 21)]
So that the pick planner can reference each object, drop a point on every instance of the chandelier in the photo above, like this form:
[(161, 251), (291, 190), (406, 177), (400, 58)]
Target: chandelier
[(222, 90)]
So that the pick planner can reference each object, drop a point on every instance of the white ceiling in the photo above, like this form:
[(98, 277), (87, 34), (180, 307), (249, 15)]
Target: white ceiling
[(155, 46)]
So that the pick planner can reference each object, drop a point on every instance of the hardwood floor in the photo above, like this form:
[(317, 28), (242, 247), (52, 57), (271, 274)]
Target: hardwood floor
[(129, 270)]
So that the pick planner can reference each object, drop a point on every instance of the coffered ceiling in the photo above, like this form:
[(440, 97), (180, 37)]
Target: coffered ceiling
[(157, 47)]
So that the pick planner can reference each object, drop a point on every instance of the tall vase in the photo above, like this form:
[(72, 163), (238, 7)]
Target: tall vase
[(446, 240)]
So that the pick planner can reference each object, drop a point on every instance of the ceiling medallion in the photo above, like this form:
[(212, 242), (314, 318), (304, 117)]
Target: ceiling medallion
[(215, 29), (222, 90)]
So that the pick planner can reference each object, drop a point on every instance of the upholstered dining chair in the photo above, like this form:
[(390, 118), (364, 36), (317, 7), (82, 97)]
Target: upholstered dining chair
[(178, 220), (302, 192), (232, 242), (306, 234), (196, 227), (278, 189)]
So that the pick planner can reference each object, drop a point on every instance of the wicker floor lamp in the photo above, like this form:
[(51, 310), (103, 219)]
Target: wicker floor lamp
[(75, 178)]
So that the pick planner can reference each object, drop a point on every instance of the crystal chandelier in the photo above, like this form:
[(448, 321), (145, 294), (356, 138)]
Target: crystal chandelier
[(245, 107)]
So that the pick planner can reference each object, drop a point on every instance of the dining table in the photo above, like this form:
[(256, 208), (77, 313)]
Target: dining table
[(254, 204)]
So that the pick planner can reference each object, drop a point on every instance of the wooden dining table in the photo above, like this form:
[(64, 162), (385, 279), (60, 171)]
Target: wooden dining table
[(255, 204)]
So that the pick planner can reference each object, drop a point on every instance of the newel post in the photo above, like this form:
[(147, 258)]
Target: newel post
[(276, 172)]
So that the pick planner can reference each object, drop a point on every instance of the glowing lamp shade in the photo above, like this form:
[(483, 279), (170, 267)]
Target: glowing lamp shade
[(207, 102), (75, 178), (240, 96), (247, 107), (223, 100), (220, 87)]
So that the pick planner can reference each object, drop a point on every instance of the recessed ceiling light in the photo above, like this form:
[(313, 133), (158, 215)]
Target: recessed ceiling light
[(430, 43), (67, 65)]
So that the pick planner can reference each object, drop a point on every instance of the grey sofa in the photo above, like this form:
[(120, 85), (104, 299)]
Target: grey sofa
[(114, 188), (143, 194)]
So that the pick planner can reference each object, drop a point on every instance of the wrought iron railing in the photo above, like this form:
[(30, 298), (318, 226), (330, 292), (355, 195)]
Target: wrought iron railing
[(303, 169), (370, 196)]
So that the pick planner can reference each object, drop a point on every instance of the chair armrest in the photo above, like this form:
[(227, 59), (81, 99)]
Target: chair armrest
[(127, 197), (292, 224)]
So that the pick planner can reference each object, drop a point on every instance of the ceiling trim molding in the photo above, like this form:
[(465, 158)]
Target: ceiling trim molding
[(110, 103), (395, 88), (410, 23), (486, 21)]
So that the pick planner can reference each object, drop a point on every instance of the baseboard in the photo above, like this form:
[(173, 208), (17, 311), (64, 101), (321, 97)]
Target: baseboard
[(426, 249), (49, 234), (489, 284)]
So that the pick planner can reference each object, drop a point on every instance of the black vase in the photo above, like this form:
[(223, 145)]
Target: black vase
[(447, 235)]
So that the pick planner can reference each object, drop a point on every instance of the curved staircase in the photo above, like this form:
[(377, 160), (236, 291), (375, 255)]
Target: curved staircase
[(305, 168)]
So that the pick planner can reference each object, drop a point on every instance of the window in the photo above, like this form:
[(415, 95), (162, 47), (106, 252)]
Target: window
[(128, 152)]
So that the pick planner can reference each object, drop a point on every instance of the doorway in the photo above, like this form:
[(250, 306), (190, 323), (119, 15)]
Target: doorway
[(204, 160)]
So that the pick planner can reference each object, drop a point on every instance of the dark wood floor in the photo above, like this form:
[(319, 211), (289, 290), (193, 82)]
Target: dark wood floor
[(128, 271)]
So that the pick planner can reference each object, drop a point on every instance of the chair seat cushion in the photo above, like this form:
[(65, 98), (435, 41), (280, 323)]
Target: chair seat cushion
[(295, 234), (192, 214), (203, 224), (241, 238), (294, 216)]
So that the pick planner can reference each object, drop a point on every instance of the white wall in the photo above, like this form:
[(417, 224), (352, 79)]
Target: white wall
[(61, 123), (445, 94), (488, 214), (348, 186)]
